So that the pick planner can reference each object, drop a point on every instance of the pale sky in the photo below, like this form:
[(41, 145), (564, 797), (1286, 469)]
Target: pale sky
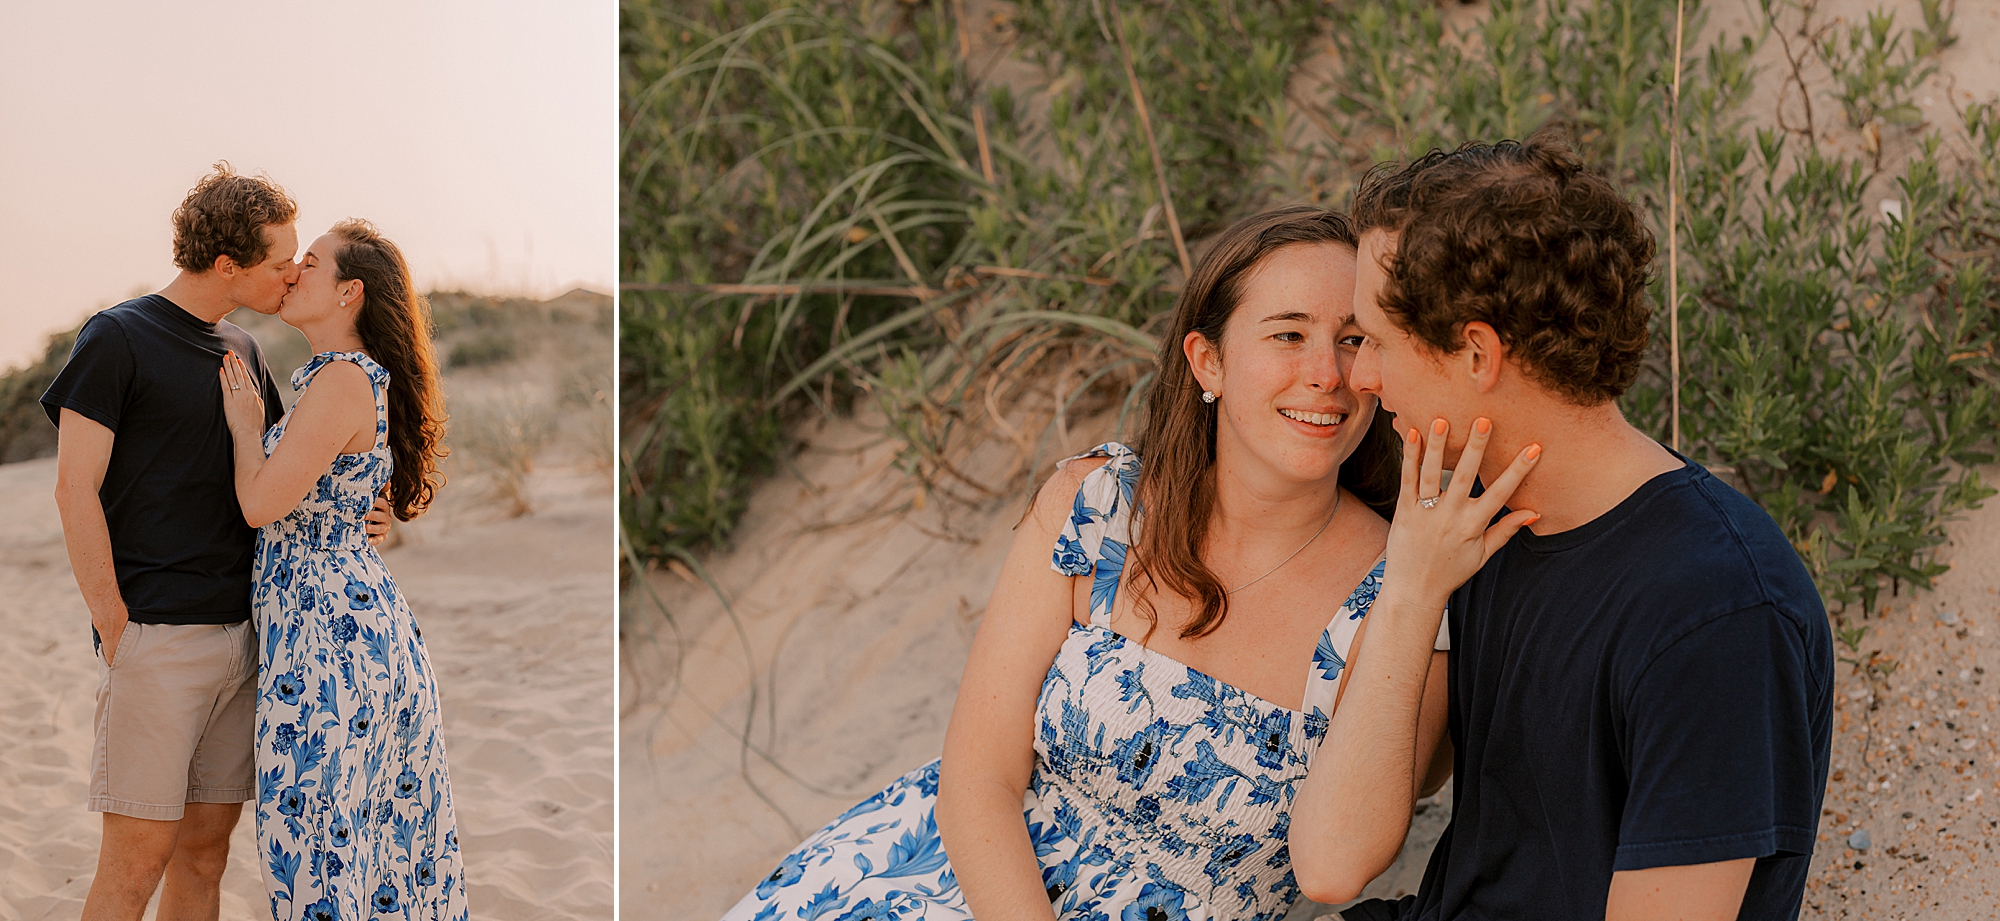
[(480, 136)]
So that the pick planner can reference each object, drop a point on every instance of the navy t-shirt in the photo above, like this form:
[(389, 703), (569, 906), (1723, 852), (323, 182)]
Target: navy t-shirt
[(146, 370), (1652, 689)]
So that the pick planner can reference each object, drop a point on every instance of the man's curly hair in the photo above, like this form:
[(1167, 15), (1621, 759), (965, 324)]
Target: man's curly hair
[(1520, 236), (225, 215)]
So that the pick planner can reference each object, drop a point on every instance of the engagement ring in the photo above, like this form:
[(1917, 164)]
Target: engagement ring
[(1431, 502)]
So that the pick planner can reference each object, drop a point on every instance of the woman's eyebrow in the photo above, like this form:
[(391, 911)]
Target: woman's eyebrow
[(1289, 316)]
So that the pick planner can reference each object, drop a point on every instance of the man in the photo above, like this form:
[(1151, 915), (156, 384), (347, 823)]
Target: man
[(161, 553), (1640, 681)]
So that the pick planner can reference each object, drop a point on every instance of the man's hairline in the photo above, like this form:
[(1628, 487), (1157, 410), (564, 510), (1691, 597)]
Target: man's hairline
[(269, 250)]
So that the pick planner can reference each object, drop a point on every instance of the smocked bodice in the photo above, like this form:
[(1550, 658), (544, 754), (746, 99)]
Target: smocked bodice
[(330, 516), (1147, 769)]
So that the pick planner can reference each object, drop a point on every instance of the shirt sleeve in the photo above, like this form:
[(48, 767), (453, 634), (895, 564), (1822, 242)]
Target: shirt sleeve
[(94, 381), (1723, 759)]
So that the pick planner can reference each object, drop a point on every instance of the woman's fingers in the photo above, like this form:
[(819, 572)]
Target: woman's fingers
[(1468, 459), (1408, 498), (1496, 495), (1433, 466), (1504, 530)]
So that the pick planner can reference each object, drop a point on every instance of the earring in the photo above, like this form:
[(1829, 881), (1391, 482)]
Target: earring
[(1208, 396)]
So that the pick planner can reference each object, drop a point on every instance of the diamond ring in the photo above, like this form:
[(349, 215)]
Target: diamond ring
[(1431, 502), (240, 387)]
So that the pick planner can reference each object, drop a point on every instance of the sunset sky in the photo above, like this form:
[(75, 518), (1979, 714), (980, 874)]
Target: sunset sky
[(479, 136)]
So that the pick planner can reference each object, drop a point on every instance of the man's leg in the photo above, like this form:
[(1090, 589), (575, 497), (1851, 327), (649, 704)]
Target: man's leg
[(131, 858), (193, 885), (154, 767)]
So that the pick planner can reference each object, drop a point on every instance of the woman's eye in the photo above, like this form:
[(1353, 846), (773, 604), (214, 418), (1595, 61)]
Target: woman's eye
[(1353, 341), (1290, 337)]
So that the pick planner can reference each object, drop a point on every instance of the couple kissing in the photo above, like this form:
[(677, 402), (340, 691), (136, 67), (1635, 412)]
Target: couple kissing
[(252, 645)]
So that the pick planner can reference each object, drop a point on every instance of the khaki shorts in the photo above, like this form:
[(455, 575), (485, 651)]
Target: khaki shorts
[(176, 720)]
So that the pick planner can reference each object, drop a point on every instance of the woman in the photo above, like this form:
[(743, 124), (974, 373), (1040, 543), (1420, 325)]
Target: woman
[(354, 811), (1132, 727)]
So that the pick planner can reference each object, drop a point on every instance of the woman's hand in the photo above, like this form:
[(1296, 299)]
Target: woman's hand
[(1441, 536), (241, 406)]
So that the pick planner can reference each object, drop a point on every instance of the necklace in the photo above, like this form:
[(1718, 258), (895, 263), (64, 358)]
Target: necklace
[(1295, 553)]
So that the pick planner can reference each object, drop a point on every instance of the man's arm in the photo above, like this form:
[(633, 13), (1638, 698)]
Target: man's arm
[(1698, 892), (83, 452)]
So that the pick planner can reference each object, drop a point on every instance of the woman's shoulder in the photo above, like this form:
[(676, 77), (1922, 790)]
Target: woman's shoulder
[(349, 367), (1110, 461), (334, 383)]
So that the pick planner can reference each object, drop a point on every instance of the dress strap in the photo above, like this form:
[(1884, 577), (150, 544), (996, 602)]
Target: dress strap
[(1099, 530), (1336, 647)]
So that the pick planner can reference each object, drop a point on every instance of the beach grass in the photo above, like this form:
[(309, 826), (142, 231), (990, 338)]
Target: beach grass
[(967, 226)]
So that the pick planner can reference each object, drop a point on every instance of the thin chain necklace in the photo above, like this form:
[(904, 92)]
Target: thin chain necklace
[(1302, 547)]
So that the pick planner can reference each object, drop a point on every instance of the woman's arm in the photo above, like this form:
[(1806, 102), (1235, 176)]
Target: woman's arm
[(333, 413), (989, 749), (1381, 746)]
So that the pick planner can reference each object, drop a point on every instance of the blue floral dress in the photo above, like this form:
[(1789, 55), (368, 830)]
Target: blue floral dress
[(1158, 792), (354, 815)]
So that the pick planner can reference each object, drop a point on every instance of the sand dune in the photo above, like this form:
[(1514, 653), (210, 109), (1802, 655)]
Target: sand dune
[(515, 616)]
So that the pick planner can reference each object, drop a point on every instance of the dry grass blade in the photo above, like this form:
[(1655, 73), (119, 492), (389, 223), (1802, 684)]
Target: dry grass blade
[(1673, 228), (1152, 144), (919, 292)]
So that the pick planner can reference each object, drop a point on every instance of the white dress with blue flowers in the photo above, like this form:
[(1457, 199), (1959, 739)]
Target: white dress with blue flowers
[(1158, 794), (354, 815)]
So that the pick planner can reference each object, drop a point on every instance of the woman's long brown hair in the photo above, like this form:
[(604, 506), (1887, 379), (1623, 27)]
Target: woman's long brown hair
[(1177, 479), (395, 328)]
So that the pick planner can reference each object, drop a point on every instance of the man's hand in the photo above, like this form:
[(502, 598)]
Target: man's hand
[(110, 629), (377, 524)]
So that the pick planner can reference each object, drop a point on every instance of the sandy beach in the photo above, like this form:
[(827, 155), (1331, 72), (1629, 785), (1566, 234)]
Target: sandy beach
[(515, 614)]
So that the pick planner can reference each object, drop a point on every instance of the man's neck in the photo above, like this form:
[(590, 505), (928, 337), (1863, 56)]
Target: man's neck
[(1592, 459), (202, 297)]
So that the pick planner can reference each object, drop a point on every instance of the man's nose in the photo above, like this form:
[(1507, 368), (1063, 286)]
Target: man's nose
[(1365, 374)]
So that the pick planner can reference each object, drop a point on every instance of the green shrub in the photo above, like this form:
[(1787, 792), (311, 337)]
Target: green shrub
[(483, 347), (25, 432), (1839, 365)]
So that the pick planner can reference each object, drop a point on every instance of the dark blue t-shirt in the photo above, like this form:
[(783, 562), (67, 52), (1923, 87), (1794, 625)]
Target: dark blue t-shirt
[(146, 370), (1652, 689)]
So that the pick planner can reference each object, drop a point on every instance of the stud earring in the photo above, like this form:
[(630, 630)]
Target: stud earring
[(1208, 396)]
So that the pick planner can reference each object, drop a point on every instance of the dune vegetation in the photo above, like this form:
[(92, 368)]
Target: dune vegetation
[(972, 222)]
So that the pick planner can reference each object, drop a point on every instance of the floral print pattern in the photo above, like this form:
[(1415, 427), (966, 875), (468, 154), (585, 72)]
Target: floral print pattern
[(354, 812), (1158, 794)]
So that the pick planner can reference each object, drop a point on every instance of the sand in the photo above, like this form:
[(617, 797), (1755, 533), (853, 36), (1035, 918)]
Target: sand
[(1915, 755), (516, 618)]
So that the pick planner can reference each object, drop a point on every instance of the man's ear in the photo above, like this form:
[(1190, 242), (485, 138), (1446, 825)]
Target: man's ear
[(1484, 354), (225, 267), (1204, 359)]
